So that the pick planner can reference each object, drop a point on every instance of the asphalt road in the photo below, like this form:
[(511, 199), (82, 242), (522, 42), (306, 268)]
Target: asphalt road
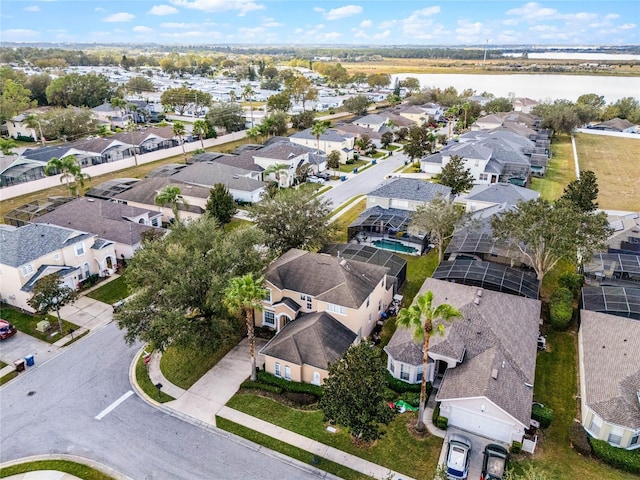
[(53, 409), (364, 182)]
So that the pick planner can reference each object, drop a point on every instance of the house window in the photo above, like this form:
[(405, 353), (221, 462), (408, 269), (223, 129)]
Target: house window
[(306, 298), (484, 177), (268, 318), (267, 297), (368, 301), (79, 249), (635, 439), (87, 272), (277, 371), (404, 372), (336, 309), (155, 222), (615, 435), (27, 270), (287, 372), (56, 256), (419, 376), (379, 304), (594, 425), (316, 378), (391, 366)]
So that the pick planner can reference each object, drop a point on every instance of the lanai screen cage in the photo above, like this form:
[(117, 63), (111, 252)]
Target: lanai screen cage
[(379, 222), (29, 212), (620, 301), (109, 189)]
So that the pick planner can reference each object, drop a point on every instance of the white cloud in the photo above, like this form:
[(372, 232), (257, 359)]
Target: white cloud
[(163, 10), (142, 29), (32, 8), (628, 26), (382, 35), (99, 9), (471, 32), (19, 34), (532, 11), (298, 31), (119, 17), (611, 16), (543, 28), (178, 25), (330, 36), (511, 21), (208, 35), (243, 6), (318, 9), (269, 22), (366, 24), (387, 24), (419, 25), (343, 12)]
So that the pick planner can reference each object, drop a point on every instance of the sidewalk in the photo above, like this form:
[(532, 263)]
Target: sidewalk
[(208, 396)]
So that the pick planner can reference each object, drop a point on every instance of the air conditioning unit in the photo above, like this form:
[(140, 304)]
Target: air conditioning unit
[(43, 326)]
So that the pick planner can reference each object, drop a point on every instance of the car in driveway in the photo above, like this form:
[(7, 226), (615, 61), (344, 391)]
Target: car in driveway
[(494, 463), (6, 330), (314, 179), (324, 175), (458, 457)]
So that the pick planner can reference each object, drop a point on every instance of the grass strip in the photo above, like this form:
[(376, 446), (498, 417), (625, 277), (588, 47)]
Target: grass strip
[(110, 292), (9, 376), (147, 386), (289, 450), (184, 367), (346, 204), (79, 470)]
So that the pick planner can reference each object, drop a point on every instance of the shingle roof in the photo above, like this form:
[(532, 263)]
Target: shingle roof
[(106, 219), (282, 150), (207, 174), (610, 354), (331, 135), (30, 242), (501, 193), (146, 190), (316, 339), (329, 279), (411, 189)]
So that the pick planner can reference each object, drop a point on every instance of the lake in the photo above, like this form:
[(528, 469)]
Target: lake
[(538, 87)]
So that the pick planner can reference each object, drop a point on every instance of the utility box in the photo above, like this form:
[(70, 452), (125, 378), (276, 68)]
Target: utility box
[(19, 364), (43, 326)]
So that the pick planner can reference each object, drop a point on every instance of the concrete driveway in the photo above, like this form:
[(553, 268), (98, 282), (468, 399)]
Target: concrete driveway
[(477, 448), (209, 394), (87, 312), (20, 345)]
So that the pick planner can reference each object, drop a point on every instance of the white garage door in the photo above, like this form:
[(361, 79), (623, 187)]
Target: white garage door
[(480, 424)]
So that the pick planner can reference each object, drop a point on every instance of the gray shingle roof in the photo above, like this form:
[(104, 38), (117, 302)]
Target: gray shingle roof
[(326, 278), (316, 339), (331, 135), (501, 193), (411, 189), (610, 354), (106, 219), (283, 150), (145, 190), (207, 174), (30, 242)]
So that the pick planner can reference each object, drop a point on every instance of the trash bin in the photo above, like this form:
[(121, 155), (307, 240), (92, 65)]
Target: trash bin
[(355, 170), (30, 360), (19, 364), (343, 178), (373, 162)]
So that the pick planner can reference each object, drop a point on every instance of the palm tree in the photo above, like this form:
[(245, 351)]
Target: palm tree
[(200, 129), (79, 179), (420, 317), (277, 168), (244, 295), (318, 129), (118, 104), (7, 145), (67, 166), (248, 94), (254, 133), (232, 95), (32, 121), (171, 196), (179, 131)]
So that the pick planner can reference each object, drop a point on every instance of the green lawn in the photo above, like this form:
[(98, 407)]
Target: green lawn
[(560, 170), (111, 292), (26, 323), (184, 367), (289, 450), (9, 376), (396, 450), (237, 223), (346, 204), (556, 387), (393, 148), (348, 218), (81, 471), (356, 164), (418, 269), (147, 386)]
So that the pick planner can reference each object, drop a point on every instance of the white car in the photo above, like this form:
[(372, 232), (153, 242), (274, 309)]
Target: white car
[(314, 179), (458, 457)]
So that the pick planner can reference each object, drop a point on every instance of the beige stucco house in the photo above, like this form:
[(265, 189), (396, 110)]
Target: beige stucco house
[(329, 141)]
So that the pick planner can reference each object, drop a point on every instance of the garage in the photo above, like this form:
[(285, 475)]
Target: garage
[(480, 424)]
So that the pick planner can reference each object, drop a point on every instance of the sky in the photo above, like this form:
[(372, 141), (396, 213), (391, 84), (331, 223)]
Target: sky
[(311, 22)]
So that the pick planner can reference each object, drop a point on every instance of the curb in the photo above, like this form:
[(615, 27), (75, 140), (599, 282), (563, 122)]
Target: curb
[(71, 458)]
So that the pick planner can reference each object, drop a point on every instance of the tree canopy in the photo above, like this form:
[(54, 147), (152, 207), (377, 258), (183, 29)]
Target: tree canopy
[(455, 176), (353, 393), (357, 105), (294, 219), (78, 90), (179, 281), (583, 191), (49, 294), (221, 204), (226, 115)]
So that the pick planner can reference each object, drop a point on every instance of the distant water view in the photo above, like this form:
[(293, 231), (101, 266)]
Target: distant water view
[(622, 57), (537, 87)]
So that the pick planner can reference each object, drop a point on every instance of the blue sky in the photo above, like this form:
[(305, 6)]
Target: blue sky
[(299, 22)]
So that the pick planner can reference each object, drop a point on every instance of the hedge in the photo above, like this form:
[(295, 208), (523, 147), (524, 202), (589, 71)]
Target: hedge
[(561, 308), (436, 413), (442, 423), (625, 460), (251, 385), (399, 386), (516, 447), (542, 414), (287, 386)]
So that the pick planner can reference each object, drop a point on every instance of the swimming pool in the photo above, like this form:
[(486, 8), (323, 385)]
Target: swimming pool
[(395, 246)]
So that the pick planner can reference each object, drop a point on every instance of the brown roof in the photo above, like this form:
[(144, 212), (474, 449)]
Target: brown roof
[(610, 355), (315, 339), (146, 190), (330, 279)]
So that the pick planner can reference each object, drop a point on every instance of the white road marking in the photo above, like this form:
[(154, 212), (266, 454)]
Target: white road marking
[(113, 406)]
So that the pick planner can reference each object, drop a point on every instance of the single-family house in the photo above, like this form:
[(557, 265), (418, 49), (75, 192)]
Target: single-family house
[(329, 141), (481, 197), (18, 126), (406, 193), (371, 121), (33, 251), (121, 224), (291, 155), (483, 367), (609, 363), (415, 113), (614, 125), (524, 104)]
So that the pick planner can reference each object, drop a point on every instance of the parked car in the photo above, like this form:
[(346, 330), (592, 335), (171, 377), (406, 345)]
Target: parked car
[(458, 457), (323, 175), (314, 179), (6, 330), (494, 463)]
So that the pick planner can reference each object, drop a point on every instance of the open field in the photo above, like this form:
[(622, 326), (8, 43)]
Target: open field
[(560, 171), (615, 162)]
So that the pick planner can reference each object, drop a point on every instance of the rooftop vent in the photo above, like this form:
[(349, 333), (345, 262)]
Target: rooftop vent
[(479, 292), (494, 373), (476, 300)]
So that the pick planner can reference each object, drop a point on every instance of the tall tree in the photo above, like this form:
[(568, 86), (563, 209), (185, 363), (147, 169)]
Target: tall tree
[(280, 102), (48, 294), (364, 143), (386, 139), (179, 131), (545, 233), (67, 166), (353, 393), (333, 161), (357, 105), (244, 295), (277, 169), (583, 192), (317, 130), (419, 142), (89, 90), (454, 175), (33, 121), (420, 318), (7, 145), (200, 129), (500, 104), (221, 204), (171, 196), (439, 219), (178, 283), (226, 115), (248, 94), (293, 219), (14, 99)]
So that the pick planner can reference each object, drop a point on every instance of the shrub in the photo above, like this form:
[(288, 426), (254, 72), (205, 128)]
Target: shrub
[(287, 386), (580, 440), (412, 399), (561, 308), (251, 385), (516, 447), (442, 423), (544, 415), (625, 460), (571, 281), (436, 413), (401, 387)]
